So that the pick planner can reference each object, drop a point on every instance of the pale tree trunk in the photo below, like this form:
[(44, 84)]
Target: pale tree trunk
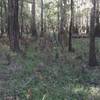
[(92, 52), (22, 19), (62, 27), (6, 16)]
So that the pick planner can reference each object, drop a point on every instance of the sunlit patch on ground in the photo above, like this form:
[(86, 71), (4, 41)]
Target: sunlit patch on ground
[(95, 91)]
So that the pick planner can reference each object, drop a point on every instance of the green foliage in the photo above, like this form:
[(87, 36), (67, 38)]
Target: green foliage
[(42, 77)]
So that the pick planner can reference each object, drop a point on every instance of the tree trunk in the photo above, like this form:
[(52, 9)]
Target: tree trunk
[(2, 28), (13, 26), (6, 16), (58, 18), (92, 52), (22, 20), (71, 26), (97, 12), (34, 31), (62, 28), (42, 29)]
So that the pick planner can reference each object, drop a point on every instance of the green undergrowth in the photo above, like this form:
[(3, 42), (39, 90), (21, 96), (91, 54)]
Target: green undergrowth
[(56, 74)]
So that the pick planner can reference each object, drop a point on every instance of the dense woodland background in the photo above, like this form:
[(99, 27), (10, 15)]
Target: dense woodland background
[(49, 50)]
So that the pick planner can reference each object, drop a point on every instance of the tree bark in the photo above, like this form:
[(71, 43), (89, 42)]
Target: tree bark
[(92, 52), (13, 25), (62, 27), (34, 31), (22, 19), (42, 29), (2, 28), (71, 26)]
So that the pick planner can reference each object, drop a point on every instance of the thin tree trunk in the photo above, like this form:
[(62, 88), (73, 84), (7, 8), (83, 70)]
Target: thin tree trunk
[(58, 16), (22, 20), (97, 12), (42, 29), (6, 16), (2, 29), (71, 26)]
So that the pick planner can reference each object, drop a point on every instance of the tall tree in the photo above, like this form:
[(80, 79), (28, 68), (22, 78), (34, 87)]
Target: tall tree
[(42, 28), (92, 52), (13, 25), (58, 16), (62, 33), (71, 26), (5, 5), (22, 18), (97, 11), (2, 28), (34, 31)]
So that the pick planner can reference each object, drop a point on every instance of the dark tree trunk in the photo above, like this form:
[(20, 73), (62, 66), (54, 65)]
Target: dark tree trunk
[(58, 16), (97, 12), (71, 26), (13, 26), (87, 26), (34, 31), (61, 28), (92, 52), (2, 30), (42, 29)]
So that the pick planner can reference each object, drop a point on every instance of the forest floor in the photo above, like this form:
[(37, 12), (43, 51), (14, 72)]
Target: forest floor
[(49, 73)]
